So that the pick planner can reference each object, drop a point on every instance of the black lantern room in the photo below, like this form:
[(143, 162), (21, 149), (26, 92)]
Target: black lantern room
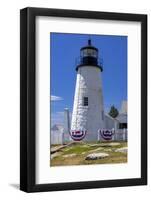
[(89, 56)]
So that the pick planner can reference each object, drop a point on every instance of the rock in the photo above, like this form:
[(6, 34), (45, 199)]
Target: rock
[(111, 144), (106, 144), (59, 147), (96, 156), (108, 150), (69, 155), (122, 150), (100, 148), (95, 145), (55, 155)]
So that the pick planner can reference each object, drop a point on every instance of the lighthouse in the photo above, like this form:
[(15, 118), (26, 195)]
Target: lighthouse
[(88, 109)]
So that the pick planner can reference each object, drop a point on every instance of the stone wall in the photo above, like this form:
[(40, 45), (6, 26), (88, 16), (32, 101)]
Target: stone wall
[(91, 117)]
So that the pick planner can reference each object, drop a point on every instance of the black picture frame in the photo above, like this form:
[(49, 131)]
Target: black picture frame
[(28, 99)]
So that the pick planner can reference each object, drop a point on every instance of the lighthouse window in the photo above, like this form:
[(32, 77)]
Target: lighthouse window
[(85, 101), (102, 115)]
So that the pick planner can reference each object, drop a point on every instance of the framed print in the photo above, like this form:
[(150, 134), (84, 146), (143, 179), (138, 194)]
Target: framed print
[(83, 99)]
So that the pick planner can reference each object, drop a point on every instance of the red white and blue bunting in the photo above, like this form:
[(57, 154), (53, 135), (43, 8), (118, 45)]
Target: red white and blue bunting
[(78, 135), (106, 134)]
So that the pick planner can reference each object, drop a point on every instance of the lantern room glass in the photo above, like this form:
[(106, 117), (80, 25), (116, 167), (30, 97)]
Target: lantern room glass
[(88, 52)]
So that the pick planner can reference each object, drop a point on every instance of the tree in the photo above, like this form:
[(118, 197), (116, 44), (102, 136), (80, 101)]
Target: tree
[(113, 112)]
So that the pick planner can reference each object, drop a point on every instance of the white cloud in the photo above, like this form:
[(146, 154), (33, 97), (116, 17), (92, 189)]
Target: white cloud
[(56, 98)]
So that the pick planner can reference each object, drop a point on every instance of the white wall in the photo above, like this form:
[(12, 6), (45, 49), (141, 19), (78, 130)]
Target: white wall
[(9, 98)]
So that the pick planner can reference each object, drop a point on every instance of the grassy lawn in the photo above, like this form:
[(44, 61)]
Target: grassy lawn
[(76, 153)]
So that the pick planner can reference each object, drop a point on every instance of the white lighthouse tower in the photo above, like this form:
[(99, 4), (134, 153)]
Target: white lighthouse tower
[(88, 109)]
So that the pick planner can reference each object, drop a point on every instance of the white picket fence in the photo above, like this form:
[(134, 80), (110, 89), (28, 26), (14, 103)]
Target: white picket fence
[(56, 137), (60, 137), (120, 135)]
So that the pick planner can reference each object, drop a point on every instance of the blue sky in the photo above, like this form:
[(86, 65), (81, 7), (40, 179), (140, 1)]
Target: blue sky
[(65, 49)]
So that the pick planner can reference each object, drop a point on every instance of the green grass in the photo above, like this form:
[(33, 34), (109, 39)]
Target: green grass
[(83, 149)]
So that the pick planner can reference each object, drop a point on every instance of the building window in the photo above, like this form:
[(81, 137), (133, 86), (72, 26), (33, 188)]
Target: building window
[(85, 101), (122, 125)]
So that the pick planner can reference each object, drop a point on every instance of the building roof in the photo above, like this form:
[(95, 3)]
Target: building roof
[(108, 116), (122, 118), (57, 127), (89, 46)]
